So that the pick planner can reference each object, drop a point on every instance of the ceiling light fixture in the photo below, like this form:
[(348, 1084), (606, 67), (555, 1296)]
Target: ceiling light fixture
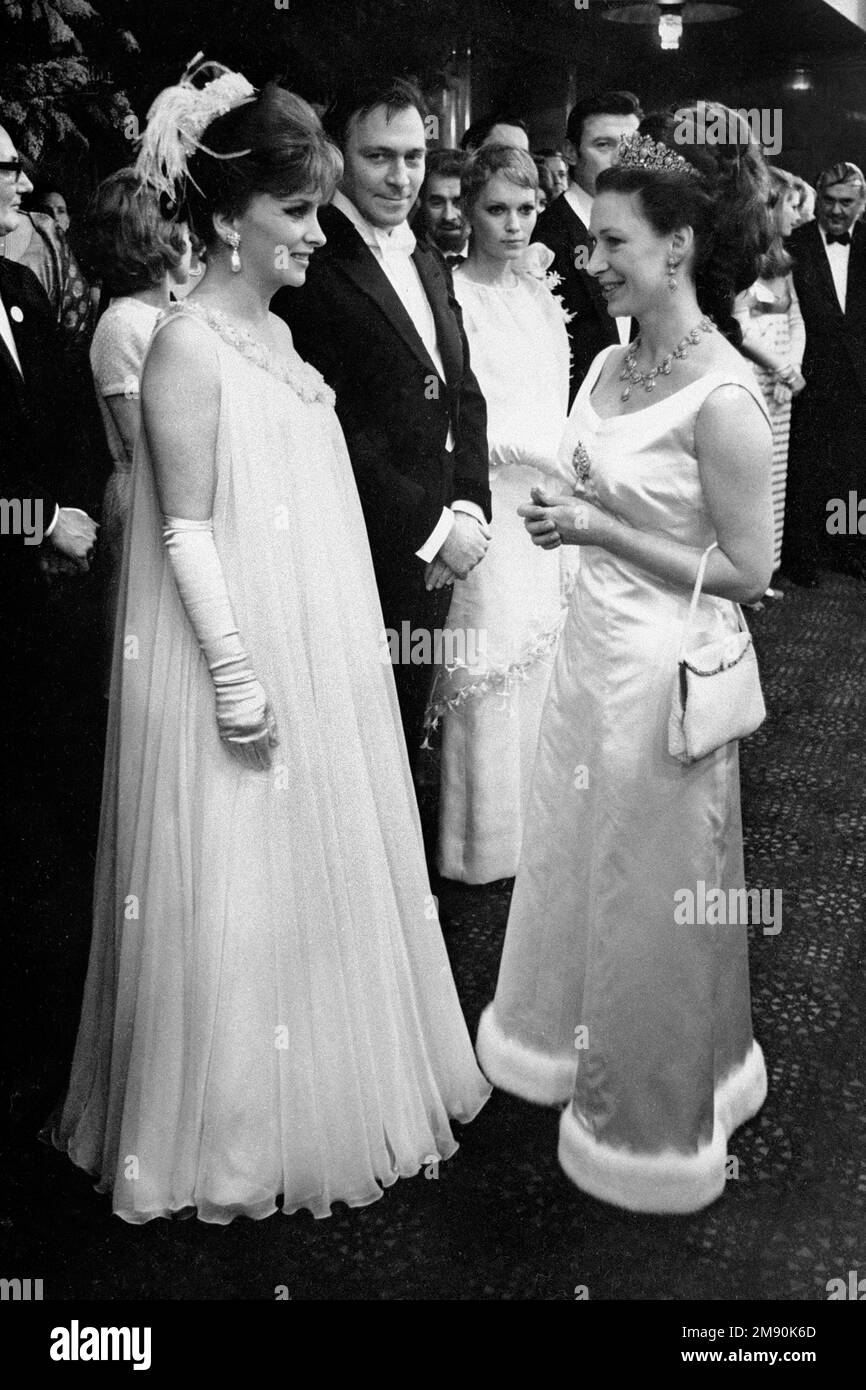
[(670, 29)]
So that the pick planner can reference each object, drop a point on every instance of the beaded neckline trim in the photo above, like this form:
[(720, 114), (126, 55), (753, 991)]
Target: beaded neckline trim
[(303, 379)]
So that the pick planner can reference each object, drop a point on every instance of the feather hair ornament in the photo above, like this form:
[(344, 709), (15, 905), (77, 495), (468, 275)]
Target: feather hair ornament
[(178, 118)]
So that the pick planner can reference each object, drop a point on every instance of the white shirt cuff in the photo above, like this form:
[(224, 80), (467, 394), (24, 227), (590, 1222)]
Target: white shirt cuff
[(471, 509), (440, 533)]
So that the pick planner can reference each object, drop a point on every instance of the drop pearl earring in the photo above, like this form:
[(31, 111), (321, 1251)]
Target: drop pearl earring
[(234, 241)]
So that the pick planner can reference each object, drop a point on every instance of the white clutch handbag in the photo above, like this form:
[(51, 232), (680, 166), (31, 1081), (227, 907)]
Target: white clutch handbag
[(717, 691)]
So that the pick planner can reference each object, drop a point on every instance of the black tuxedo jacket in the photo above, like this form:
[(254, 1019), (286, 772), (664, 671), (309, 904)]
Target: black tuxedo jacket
[(835, 358), (394, 407), (592, 328), (33, 416)]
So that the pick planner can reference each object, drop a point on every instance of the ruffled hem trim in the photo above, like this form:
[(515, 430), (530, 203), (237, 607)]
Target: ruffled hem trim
[(544, 1078), (666, 1183), (500, 680)]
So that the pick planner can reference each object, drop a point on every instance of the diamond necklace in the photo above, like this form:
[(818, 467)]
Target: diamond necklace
[(647, 380)]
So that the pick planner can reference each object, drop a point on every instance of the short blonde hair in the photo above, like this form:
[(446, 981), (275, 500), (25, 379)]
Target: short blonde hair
[(515, 165)]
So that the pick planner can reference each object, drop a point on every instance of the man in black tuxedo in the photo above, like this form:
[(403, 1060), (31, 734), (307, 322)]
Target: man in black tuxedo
[(594, 130), (377, 316), (827, 453), (39, 447)]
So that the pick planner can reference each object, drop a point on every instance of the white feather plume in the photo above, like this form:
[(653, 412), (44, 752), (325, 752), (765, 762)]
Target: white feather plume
[(178, 118)]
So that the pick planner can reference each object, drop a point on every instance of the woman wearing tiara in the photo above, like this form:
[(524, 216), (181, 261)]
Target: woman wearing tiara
[(604, 1000), (269, 1017)]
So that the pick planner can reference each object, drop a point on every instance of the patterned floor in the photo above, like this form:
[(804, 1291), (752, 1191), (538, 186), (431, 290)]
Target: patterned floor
[(500, 1220)]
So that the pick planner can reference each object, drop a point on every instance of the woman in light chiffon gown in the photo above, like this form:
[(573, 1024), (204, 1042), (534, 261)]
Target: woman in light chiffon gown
[(604, 1000), (269, 1013), (490, 697)]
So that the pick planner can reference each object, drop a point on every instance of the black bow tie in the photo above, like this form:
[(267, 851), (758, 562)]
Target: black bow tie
[(843, 240)]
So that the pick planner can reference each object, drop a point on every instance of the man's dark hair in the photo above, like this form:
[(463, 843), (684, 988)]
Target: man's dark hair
[(359, 98), (444, 164), (479, 130), (601, 104)]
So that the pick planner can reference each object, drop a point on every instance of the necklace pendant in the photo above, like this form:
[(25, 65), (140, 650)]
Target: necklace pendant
[(650, 384), (626, 393)]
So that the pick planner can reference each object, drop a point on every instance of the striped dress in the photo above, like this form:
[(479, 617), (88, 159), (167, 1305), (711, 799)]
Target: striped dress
[(769, 314)]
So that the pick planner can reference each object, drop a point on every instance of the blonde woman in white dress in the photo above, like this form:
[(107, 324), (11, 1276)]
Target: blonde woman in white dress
[(505, 617), (774, 340)]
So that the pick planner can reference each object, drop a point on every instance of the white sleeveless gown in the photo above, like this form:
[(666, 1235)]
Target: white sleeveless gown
[(603, 1000), (269, 1009)]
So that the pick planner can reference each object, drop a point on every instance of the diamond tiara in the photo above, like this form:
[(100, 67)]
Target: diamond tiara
[(642, 152)]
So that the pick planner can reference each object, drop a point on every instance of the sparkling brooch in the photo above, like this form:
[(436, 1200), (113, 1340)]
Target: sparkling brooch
[(582, 464)]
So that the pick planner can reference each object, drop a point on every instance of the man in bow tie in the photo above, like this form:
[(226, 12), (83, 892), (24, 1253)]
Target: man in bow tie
[(438, 218), (827, 454), (378, 318)]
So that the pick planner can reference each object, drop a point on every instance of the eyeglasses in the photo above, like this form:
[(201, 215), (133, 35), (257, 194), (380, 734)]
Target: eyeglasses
[(13, 167)]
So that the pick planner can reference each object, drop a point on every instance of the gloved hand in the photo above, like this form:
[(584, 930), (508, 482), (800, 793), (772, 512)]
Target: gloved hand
[(245, 721)]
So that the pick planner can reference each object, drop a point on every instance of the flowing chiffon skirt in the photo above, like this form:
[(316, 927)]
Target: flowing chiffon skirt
[(269, 1010)]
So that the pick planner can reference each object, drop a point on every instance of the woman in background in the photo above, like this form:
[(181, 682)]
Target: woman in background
[(774, 339), (140, 256), (506, 615)]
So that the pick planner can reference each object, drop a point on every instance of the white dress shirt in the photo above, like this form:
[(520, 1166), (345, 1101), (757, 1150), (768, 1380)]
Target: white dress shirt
[(393, 250), (838, 257), (580, 202)]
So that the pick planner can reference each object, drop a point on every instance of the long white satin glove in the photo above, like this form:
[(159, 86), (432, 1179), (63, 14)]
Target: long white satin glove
[(244, 718)]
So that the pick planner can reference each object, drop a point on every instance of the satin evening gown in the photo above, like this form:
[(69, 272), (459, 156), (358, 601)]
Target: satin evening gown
[(269, 1010), (603, 1001)]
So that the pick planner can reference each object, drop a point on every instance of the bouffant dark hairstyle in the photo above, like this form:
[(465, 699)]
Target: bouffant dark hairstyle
[(273, 144), (723, 198), (124, 239)]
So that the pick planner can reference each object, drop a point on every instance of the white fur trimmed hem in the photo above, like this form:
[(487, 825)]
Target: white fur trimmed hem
[(668, 1182), (512, 1066)]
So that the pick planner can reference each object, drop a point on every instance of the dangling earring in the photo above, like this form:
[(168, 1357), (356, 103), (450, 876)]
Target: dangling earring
[(672, 279), (234, 241)]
